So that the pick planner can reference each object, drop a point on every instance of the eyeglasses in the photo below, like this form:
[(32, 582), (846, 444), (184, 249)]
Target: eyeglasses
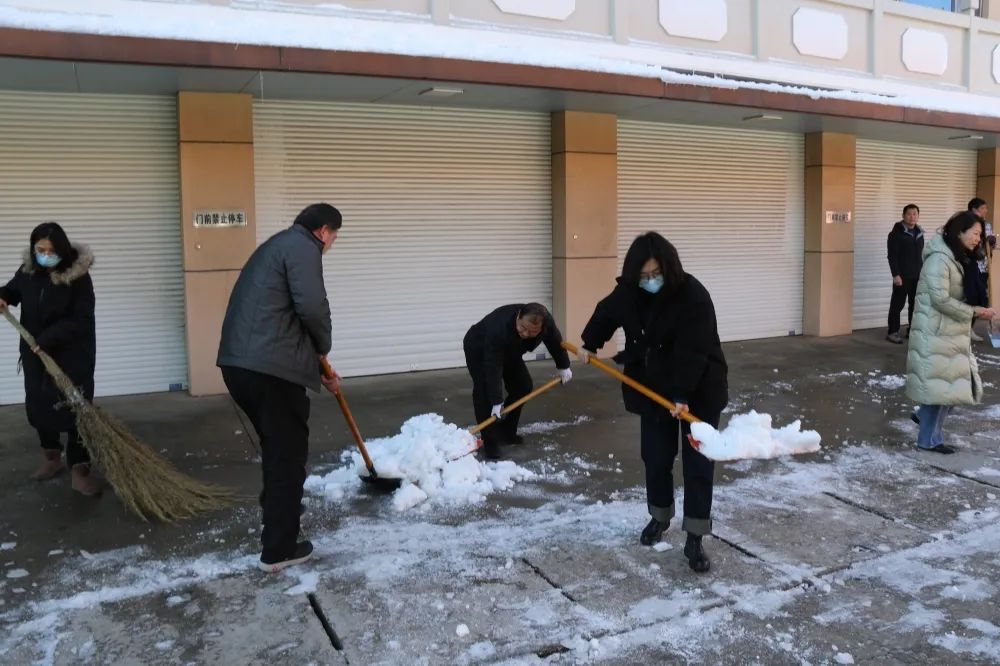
[(651, 275)]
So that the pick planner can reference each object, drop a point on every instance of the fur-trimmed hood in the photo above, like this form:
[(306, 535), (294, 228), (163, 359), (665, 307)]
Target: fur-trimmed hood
[(79, 268)]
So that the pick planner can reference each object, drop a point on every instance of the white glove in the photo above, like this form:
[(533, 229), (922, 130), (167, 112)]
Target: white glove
[(565, 375), (583, 356), (496, 411)]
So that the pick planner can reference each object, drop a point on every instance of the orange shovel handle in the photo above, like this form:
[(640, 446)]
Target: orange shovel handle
[(342, 401), (628, 381), (517, 403)]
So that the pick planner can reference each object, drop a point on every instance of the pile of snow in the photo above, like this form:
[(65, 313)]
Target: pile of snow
[(888, 382), (751, 436), (428, 454)]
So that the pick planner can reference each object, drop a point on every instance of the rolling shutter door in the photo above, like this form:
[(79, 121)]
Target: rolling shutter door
[(447, 215), (732, 202), (105, 168), (890, 175)]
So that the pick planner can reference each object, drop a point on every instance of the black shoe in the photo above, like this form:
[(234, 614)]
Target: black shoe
[(491, 450), (697, 559), (652, 532), (915, 418), (515, 440), (303, 551), (940, 448)]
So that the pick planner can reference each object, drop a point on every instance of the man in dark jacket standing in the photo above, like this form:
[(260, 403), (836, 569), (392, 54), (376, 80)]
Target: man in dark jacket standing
[(906, 249), (276, 329), (494, 348)]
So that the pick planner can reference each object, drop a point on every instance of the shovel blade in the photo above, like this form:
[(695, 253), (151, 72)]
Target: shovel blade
[(382, 483), (995, 340)]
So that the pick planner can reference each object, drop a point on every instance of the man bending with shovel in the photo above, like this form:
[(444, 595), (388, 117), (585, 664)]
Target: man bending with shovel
[(494, 348)]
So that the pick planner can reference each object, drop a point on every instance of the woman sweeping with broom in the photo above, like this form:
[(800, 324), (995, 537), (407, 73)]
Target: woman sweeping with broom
[(56, 295), (672, 346)]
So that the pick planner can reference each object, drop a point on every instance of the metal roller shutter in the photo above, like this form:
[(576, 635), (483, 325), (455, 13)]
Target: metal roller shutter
[(890, 175), (732, 202), (447, 215), (105, 167)]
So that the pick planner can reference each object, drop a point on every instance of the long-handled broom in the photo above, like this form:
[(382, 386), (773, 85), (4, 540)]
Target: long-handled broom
[(147, 483)]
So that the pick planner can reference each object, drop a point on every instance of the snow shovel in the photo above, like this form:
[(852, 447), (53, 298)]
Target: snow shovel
[(387, 483), (475, 430), (649, 393)]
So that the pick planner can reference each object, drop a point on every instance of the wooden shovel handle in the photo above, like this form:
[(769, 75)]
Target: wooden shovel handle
[(625, 379), (342, 401), (517, 403)]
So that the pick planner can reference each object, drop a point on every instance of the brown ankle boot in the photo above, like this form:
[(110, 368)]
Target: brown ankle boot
[(83, 482), (52, 464)]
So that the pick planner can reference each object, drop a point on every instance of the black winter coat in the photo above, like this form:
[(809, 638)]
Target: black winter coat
[(906, 251), (57, 308), (494, 339), (671, 345)]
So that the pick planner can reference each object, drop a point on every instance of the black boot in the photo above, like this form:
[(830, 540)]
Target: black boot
[(652, 532), (697, 558), (491, 450)]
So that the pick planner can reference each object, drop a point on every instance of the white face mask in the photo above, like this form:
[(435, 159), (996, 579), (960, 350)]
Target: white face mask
[(652, 285)]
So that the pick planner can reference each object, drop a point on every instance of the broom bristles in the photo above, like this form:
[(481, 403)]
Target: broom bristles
[(146, 482)]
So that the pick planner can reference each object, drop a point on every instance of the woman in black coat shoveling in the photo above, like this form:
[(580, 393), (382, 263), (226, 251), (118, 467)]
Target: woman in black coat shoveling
[(672, 346), (56, 295)]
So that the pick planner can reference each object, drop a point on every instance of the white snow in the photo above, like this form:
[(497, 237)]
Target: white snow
[(462, 631), (164, 645), (430, 456), (17, 573), (307, 582), (414, 35), (752, 436), (482, 650), (8, 545), (662, 546), (175, 600), (888, 382), (844, 658)]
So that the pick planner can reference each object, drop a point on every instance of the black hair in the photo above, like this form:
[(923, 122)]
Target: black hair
[(909, 206), (535, 312), (957, 224), (976, 203), (652, 245), (319, 215), (52, 232)]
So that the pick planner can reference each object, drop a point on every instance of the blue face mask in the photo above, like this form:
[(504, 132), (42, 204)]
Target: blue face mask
[(47, 260), (652, 285)]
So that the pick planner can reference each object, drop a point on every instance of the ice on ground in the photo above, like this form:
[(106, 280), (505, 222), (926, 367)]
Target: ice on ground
[(429, 456), (888, 382), (307, 582), (17, 573), (662, 546), (752, 436), (542, 427), (844, 658), (462, 631), (482, 650)]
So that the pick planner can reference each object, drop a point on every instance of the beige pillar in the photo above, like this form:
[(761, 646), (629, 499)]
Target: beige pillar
[(829, 260), (988, 188), (216, 165), (584, 215)]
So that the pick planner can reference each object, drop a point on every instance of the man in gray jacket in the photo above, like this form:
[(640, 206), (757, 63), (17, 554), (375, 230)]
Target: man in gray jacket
[(276, 329)]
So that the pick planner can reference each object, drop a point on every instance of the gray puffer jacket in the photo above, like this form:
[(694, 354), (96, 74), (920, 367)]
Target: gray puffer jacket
[(940, 366), (278, 319)]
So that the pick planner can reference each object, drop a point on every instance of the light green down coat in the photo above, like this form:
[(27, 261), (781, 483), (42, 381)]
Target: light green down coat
[(940, 366)]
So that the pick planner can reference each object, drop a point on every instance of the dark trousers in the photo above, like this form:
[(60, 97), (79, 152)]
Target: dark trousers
[(659, 448), (907, 292), (517, 382), (76, 452), (279, 412)]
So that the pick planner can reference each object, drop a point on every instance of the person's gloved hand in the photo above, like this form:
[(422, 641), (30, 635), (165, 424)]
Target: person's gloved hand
[(497, 411), (565, 375)]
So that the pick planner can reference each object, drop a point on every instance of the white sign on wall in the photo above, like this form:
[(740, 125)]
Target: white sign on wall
[(819, 33), (220, 218), (705, 19), (558, 10), (925, 51)]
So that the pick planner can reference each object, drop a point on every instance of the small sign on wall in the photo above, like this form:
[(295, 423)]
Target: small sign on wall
[(220, 218), (838, 217)]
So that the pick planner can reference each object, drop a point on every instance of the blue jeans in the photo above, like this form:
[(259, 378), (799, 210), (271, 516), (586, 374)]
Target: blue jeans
[(931, 423)]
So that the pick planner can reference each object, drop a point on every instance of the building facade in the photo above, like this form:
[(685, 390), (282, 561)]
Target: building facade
[(483, 152)]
